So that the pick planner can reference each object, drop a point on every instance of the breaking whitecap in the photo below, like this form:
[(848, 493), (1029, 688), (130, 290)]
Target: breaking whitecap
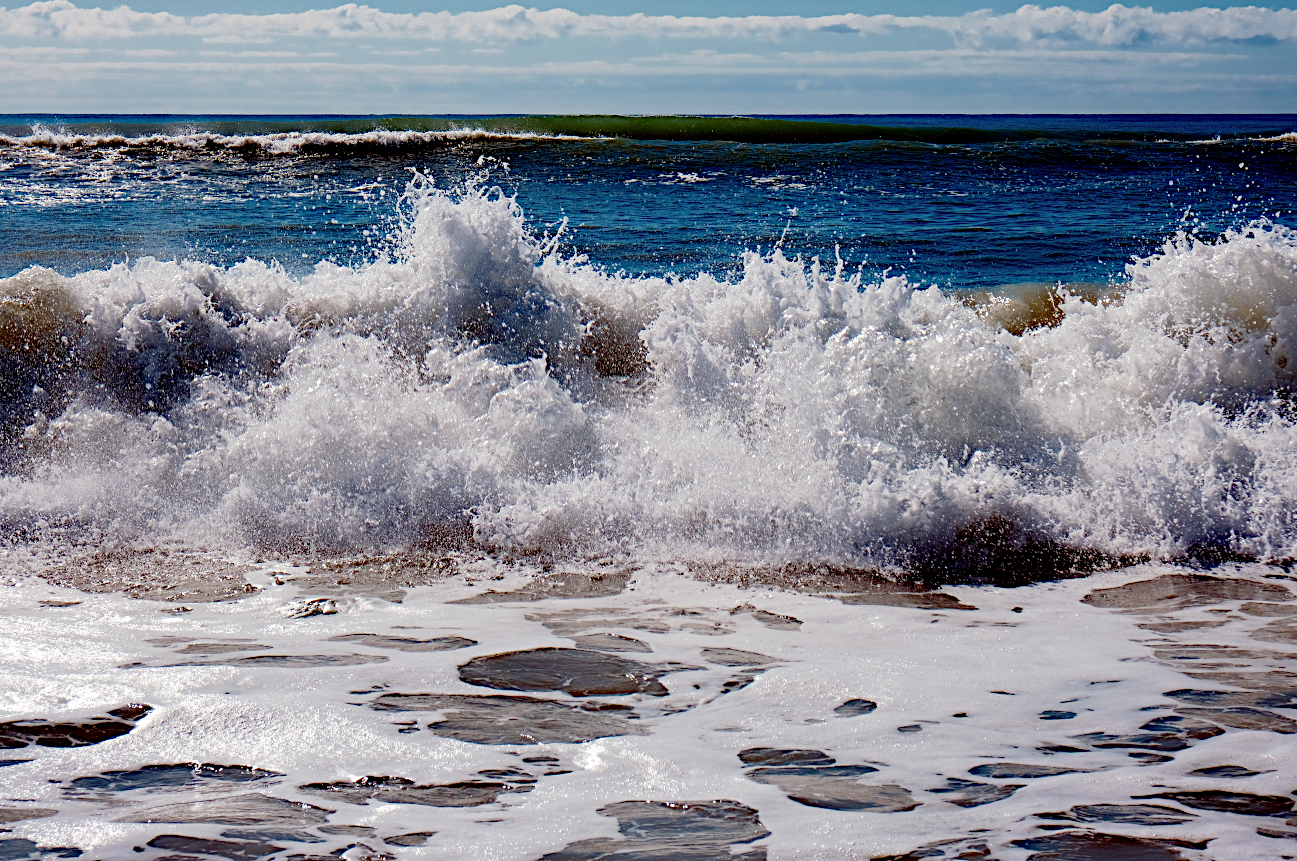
[(475, 387)]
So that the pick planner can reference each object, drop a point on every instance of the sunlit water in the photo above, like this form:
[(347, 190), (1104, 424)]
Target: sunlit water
[(711, 417)]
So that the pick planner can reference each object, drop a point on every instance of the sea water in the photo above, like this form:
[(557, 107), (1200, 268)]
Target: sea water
[(486, 486)]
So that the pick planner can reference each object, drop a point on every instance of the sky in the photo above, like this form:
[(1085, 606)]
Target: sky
[(411, 57)]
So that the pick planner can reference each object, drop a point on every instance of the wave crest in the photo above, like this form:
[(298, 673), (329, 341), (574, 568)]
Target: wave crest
[(475, 387), (278, 143)]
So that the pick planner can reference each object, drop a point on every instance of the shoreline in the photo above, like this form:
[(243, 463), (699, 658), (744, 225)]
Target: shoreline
[(1078, 715)]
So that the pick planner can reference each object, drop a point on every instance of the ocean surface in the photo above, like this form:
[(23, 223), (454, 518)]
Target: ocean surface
[(826, 487)]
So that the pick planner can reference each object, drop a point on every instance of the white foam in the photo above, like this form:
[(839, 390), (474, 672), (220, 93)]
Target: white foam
[(977, 681), (271, 143), (792, 411)]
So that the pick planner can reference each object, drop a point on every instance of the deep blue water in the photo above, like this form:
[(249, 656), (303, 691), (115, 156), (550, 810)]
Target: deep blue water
[(1038, 199)]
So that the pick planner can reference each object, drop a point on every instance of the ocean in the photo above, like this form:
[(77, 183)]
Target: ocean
[(824, 487)]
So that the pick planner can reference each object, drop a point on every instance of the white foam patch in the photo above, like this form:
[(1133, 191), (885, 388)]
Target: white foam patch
[(976, 681)]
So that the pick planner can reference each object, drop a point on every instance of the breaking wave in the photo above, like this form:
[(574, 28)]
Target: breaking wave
[(271, 143), (323, 135), (476, 387)]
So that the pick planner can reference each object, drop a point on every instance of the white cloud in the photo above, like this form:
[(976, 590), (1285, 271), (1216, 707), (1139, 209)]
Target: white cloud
[(56, 55), (62, 19), (1028, 79), (279, 55), (43, 51), (959, 62), (237, 39), (1116, 26), (1121, 25)]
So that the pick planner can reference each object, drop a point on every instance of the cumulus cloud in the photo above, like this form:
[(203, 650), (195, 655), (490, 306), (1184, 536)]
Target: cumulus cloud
[(1115, 26), (1121, 25)]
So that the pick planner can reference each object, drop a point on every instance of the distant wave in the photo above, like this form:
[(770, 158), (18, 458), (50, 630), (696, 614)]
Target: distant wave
[(272, 137), (271, 143)]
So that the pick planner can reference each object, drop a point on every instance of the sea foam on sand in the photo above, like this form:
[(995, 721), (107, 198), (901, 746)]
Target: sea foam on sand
[(1142, 710)]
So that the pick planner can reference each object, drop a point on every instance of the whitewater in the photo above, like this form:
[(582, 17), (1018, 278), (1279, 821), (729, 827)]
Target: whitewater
[(519, 537), (477, 388)]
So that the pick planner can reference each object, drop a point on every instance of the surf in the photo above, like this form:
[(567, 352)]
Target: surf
[(280, 136), (476, 387)]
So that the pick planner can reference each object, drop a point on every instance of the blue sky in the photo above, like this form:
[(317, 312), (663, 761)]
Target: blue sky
[(668, 56)]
